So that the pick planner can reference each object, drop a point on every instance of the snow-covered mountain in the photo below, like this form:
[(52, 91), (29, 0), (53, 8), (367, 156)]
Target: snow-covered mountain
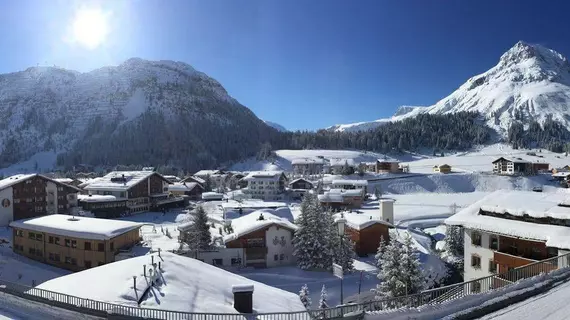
[(530, 81), (401, 113), (275, 126), (165, 107)]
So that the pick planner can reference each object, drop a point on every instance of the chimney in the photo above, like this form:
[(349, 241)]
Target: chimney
[(387, 210), (243, 298)]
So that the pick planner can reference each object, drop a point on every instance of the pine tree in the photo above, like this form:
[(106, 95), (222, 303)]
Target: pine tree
[(323, 304), (391, 284), (303, 238), (208, 184), (380, 252), (412, 275), (454, 240), (198, 236), (304, 296)]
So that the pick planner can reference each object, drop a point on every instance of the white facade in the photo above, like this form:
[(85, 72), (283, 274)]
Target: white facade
[(279, 247), (483, 252), (223, 257), (6, 206), (387, 210)]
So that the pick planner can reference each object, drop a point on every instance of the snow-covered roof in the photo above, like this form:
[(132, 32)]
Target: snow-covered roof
[(194, 178), (64, 180), (514, 160), (300, 161), (185, 186), (188, 285), (338, 195), (12, 180), (172, 178), (337, 162), (252, 203), (519, 203), (359, 221), (350, 182), (204, 173), (97, 198), (299, 179), (265, 175), (114, 180), (250, 223), (77, 227), (561, 174), (212, 195)]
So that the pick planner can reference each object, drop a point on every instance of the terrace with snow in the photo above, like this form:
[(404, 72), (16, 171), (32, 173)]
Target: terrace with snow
[(507, 229)]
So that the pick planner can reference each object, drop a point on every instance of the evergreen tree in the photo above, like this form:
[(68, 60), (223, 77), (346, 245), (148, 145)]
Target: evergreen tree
[(347, 169), (454, 240), (391, 284), (198, 236), (323, 301), (378, 192), (342, 247), (208, 184), (303, 237), (412, 274), (380, 252), (305, 297)]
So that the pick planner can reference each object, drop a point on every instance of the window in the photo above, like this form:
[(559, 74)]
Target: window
[(31, 235), (492, 266), (19, 233), (217, 262), (476, 261), (88, 246), (51, 257), (112, 246), (74, 243), (32, 251), (281, 257), (59, 188), (39, 253), (38, 209), (275, 257), (494, 243), (100, 247), (87, 264), (60, 206), (56, 240), (50, 239), (39, 237), (236, 261), (57, 257), (122, 194), (16, 200), (67, 243), (476, 238), (67, 260)]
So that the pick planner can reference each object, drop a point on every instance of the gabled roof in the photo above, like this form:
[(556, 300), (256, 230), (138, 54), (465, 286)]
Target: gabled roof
[(359, 221), (341, 162), (537, 205), (184, 186), (195, 179), (249, 223), (12, 180), (121, 180), (300, 179), (514, 160), (203, 173)]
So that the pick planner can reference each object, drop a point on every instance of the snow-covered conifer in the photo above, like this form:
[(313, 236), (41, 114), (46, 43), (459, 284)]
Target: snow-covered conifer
[(412, 274), (323, 301), (304, 296), (454, 240)]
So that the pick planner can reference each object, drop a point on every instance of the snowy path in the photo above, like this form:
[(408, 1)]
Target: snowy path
[(551, 305), (12, 307)]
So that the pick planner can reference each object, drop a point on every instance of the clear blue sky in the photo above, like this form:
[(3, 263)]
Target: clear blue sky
[(303, 64)]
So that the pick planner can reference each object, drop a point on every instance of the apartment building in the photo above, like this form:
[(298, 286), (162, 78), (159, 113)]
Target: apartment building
[(140, 190), (71, 242), (307, 166), (510, 229), (265, 185), (31, 195)]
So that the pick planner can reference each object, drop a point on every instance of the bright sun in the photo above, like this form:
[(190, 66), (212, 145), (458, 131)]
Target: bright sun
[(90, 27)]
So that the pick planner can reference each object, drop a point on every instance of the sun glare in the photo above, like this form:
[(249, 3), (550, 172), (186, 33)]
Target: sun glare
[(90, 27)]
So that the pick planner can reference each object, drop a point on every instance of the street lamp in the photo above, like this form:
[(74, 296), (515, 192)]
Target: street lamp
[(341, 223)]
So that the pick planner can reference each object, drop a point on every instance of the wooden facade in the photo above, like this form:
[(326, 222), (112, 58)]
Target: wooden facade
[(301, 184), (366, 240), (254, 247), (70, 253), (31, 197)]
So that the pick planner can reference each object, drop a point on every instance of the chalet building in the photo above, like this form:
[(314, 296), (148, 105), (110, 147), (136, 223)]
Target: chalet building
[(366, 231), (217, 177), (265, 238), (388, 166), (299, 187), (265, 185), (337, 165), (368, 166), (198, 180), (307, 166), (103, 206), (172, 179), (510, 229), (142, 190), (31, 195), (361, 185), (191, 189), (71, 242), (444, 168), (518, 166), (69, 181), (341, 199)]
